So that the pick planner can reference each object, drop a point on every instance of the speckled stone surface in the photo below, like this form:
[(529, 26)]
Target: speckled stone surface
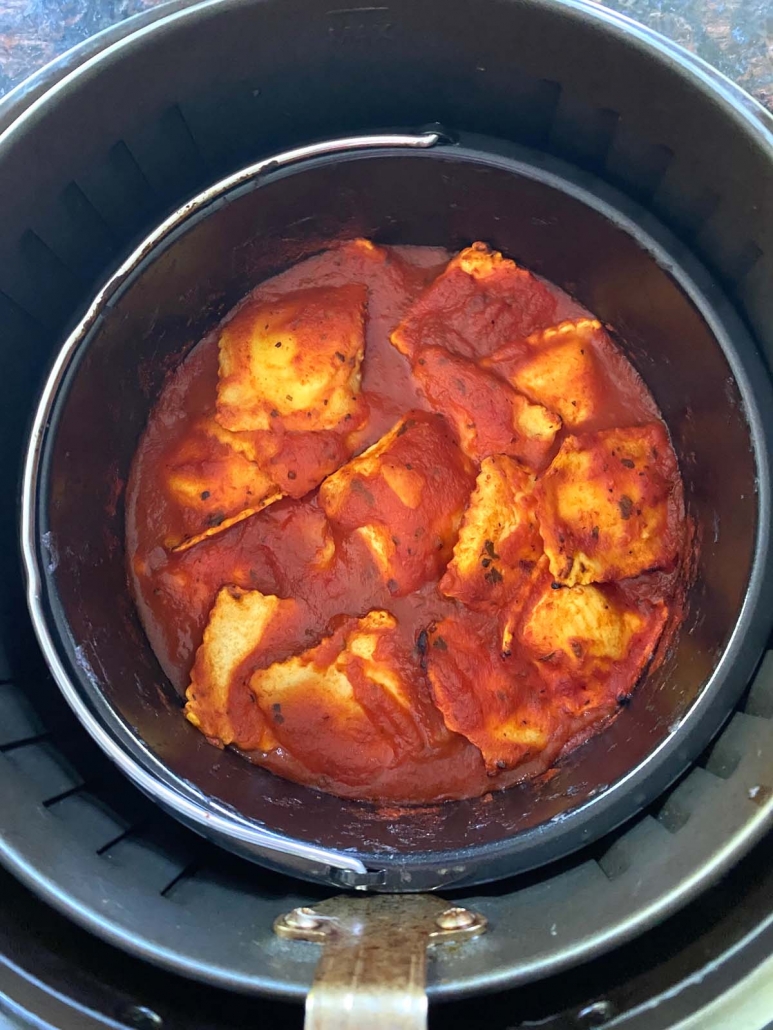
[(734, 35), (34, 32)]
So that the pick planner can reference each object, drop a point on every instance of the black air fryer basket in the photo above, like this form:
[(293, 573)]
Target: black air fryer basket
[(660, 145)]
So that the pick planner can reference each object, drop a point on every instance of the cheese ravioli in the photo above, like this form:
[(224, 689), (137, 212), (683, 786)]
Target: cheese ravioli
[(348, 707), (480, 302), (609, 506), (294, 362), (488, 415), (403, 498), (243, 624), (558, 367), (499, 543), (589, 644)]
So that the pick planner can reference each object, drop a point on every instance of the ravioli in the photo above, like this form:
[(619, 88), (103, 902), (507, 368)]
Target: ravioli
[(558, 367), (480, 302), (485, 699), (242, 623), (216, 479), (589, 644), (499, 543), (293, 363), (489, 416), (347, 707), (403, 498), (609, 506)]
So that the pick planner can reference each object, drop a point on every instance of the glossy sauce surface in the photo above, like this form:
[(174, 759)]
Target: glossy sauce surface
[(282, 551)]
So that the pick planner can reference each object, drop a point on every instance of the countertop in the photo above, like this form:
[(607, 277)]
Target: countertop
[(736, 36)]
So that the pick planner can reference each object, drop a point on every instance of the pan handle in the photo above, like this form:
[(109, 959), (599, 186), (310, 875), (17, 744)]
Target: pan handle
[(373, 967)]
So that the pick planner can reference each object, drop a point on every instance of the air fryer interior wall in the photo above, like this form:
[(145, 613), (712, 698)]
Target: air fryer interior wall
[(448, 197)]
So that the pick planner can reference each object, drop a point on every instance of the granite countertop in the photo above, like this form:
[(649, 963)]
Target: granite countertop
[(735, 36)]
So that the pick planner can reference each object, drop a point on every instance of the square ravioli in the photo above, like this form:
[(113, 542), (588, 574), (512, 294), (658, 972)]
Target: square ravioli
[(485, 699), (480, 302), (589, 643), (610, 507), (294, 362), (558, 367), (348, 707), (499, 543), (243, 624), (403, 498), (489, 416), (215, 479)]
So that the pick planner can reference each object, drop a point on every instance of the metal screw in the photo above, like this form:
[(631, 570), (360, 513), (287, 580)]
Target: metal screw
[(455, 919), (303, 919), (596, 1013), (141, 1018)]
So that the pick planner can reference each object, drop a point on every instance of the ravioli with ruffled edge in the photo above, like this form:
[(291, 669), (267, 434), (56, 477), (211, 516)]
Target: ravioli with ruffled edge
[(460, 498)]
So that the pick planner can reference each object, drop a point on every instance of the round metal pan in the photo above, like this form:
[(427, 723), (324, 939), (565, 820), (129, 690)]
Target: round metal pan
[(440, 188)]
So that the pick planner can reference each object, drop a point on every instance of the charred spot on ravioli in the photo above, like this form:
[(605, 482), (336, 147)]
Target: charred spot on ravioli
[(499, 545), (489, 416), (293, 363), (347, 707), (243, 624), (609, 505), (589, 643), (480, 302), (403, 498)]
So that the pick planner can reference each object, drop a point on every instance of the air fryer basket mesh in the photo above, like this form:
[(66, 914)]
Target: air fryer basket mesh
[(80, 197)]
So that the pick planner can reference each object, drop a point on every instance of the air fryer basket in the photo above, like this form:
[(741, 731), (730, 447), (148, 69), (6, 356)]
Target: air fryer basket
[(573, 82)]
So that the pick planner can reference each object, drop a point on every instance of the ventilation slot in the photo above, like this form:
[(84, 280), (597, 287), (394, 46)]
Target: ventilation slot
[(168, 157), (726, 242), (744, 740), (76, 232), (226, 128), (636, 165), (755, 293), (5, 668), (581, 133), (221, 889), (698, 789), (647, 842), (117, 188), (177, 881), (45, 770), (19, 721), (44, 284), (157, 854), (537, 118), (743, 262), (760, 699)]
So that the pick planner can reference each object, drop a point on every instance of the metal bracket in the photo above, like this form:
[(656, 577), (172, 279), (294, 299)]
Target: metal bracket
[(373, 967)]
